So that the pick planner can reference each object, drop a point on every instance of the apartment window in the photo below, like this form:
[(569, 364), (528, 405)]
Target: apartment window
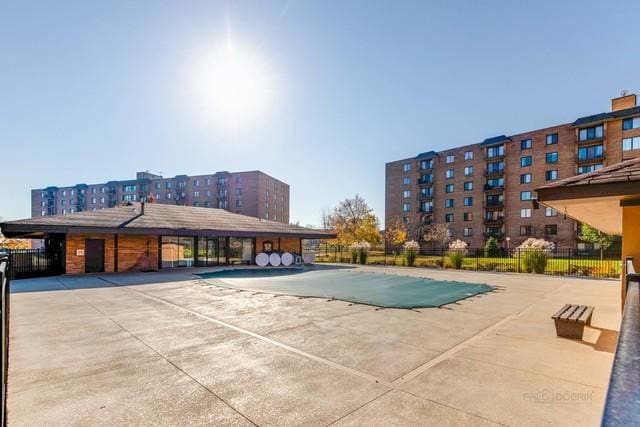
[(467, 216), (426, 206), (448, 217), (495, 183), (102, 189), (449, 173), (101, 199), (468, 185), (64, 211), (93, 190), (62, 202), (130, 197), (64, 193), (448, 203), (551, 229), (468, 232), (238, 203), (406, 207), (468, 155), (468, 201), (551, 158), (157, 196), (168, 196), (93, 200), (526, 161), (550, 212), (525, 178), (450, 158), (525, 213), (525, 195), (594, 132), (589, 168), (129, 188), (43, 213), (495, 167), (73, 193), (551, 175), (406, 167), (406, 194), (196, 194), (168, 185), (526, 144), (631, 123), (629, 144), (495, 151), (238, 179), (592, 153), (426, 192), (552, 139), (448, 188), (525, 230), (207, 204), (405, 181), (238, 191), (468, 171), (426, 164)]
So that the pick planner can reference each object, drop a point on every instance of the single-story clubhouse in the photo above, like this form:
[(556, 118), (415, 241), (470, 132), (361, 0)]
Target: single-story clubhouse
[(148, 236)]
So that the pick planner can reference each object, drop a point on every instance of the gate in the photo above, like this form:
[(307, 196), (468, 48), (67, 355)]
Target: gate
[(46, 261)]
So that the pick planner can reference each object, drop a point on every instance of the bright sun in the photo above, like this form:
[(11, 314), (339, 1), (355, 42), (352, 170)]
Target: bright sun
[(232, 87)]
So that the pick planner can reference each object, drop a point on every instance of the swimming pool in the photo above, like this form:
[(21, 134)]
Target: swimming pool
[(348, 284)]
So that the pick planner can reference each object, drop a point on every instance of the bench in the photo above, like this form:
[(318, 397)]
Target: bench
[(570, 320)]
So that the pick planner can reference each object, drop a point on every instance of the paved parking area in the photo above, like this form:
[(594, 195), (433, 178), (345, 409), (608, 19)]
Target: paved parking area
[(169, 349)]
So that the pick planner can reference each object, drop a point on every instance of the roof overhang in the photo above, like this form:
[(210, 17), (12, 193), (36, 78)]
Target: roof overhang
[(599, 205)]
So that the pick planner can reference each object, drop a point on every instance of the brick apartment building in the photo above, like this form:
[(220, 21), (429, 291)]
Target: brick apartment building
[(485, 189), (252, 193)]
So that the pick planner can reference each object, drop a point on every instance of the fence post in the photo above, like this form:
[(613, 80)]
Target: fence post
[(518, 252), (477, 259)]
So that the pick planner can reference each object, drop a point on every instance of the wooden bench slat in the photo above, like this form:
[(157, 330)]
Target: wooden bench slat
[(586, 316), (569, 312), (577, 314), (562, 310)]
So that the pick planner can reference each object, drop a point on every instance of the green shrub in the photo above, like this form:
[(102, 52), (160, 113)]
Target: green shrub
[(354, 256), (491, 248), (363, 254), (534, 260), (455, 259)]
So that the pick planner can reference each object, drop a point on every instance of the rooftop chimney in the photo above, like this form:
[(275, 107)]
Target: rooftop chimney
[(142, 207), (624, 101)]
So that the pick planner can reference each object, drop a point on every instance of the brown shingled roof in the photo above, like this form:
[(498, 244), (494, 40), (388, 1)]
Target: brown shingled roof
[(626, 171), (159, 218)]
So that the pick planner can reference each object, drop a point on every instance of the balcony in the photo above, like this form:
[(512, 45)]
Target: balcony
[(587, 159), (498, 236), (493, 204), (488, 187), (496, 221), (494, 158), (494, 172), (425, 197), (421, 181), (425, 210)]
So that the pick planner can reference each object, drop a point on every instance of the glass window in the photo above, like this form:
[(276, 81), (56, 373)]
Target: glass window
[(551, 229), (589, 168), (551, 175), (468, 232), (526, 161), (448, 188), (551, 157), (177, 251), (406, 167), (591, 153), (526, 144), (468, 186), (594, 132), (406, 207), (450, 158), (468, 201), (467, 216), (406, 194), (240, 250), (448, 203), (550, 212), (631, 123), (211, 251), (525, 230), (405, 181), (525, 178), (525, 213), (495, 167), (629, 144), (426, 206), (468, 155), (448, 217), (552, 138), (449, 173), (495, 151), (426, 164), (525, 195), (468, 171)]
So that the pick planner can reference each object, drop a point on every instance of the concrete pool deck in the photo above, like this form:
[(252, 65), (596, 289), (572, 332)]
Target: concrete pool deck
[(168, 348)]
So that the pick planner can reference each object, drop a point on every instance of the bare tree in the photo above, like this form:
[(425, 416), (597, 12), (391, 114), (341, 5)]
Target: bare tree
[(437, 234), (325, 219)]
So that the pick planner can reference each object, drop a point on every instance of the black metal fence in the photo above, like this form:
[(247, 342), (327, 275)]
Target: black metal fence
[(4, 281), (560, 261), (27, 263)]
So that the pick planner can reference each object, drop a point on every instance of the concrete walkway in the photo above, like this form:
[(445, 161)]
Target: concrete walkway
[(168, 349)]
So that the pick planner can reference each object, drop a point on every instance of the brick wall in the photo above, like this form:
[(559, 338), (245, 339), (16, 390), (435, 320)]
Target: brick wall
[(288, 244), (137, 253), (75, 263)]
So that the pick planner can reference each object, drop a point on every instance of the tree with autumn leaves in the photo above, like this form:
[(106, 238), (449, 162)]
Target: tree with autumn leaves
[(354, 221)]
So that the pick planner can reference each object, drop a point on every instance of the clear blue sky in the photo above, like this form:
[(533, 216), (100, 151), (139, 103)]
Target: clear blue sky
[(91, 91)]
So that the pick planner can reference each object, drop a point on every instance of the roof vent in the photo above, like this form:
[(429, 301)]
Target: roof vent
[(624, 92)]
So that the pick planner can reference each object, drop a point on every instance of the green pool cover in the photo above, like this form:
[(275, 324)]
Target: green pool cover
[(378, 289)]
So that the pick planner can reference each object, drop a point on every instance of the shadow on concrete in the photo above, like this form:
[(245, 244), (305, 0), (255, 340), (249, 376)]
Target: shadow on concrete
[(607, 340)]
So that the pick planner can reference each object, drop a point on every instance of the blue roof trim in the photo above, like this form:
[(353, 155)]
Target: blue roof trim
[(427, 155), (601, 117), (495, 140)]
